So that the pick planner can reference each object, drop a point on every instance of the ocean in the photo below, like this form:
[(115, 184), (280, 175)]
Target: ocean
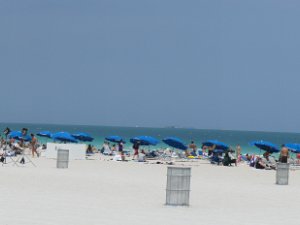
[(231, 138)]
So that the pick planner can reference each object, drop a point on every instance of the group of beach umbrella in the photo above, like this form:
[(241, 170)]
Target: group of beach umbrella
[(67, 137), (173, 142), (272, 148), (59, 136), (148, 140)]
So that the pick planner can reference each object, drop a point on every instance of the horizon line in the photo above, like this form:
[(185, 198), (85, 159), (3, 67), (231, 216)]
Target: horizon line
[(149, 127)]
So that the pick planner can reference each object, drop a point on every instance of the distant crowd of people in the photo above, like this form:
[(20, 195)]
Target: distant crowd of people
[(17, 146), (226, 157)]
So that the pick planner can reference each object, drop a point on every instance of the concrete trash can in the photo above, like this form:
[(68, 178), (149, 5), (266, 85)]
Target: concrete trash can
[(282, 173), (178, 186), (62, 160)]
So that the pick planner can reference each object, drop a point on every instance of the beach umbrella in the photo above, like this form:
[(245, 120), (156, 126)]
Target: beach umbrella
[(83, 136), (218, 151), (46, 134), (218, 144), (114, 138), (64, 137), (145, 140), (175, 142), (266, 146), (19, 136), (293, 147)]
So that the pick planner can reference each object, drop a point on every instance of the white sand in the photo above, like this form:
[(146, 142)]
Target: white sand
[(105, 192)]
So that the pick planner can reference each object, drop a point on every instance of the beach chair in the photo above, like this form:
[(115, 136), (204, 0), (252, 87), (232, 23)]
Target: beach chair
[(215, 159), (23, 158), (294, 164), (166, 155)]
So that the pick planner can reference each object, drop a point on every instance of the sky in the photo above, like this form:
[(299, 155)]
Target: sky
[(208, 64)]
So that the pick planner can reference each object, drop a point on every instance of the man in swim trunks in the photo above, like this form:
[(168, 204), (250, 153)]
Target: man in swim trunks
[(284, 155)]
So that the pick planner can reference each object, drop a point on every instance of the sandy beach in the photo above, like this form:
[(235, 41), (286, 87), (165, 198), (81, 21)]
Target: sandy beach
[(106, 192)]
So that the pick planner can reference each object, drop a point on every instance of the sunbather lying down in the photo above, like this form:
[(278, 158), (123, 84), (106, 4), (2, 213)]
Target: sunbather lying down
[(260, 164)]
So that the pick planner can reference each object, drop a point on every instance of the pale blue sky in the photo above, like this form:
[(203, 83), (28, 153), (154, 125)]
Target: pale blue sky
[(206, 64)]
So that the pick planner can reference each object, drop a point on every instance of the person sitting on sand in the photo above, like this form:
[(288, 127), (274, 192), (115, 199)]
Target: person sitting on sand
[(260, 164), (142, 156), (253, 160), (229, 158), (266, 155), (106, 149), (284, 155), (204, 150), (232, 157), (248, 157), (89, 150)]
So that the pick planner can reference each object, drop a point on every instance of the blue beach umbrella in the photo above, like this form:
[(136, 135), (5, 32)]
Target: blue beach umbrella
[(145, 140), (218, 144), (293, 147), (175, 142), (83, 136), (46, 134), (18, 136), (266, 146), (218, 151), (114, 138), (64, 137)]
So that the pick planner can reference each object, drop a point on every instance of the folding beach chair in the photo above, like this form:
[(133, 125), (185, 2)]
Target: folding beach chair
[(23, 159), (7, 154)]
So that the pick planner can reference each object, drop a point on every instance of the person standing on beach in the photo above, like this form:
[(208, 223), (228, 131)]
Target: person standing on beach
[(121, 150), (136, 147), (284, 154), (193, 147), (34, 143), (238, 152)]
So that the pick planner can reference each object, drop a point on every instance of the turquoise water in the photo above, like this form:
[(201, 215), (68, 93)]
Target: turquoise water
[(230, 137)]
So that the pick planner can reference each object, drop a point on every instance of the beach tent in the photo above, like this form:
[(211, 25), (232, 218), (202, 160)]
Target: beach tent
[(266, 146), (114, 138), (64, 137), (175, 142), (83, 136), (218, 144), (145, 140)]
